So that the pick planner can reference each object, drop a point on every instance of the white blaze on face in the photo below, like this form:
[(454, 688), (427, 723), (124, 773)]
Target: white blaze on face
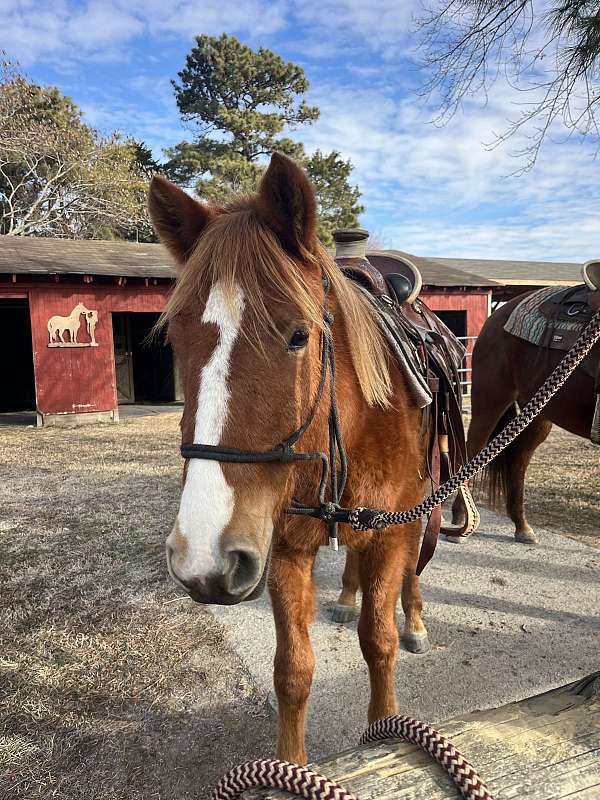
[(207, 499)]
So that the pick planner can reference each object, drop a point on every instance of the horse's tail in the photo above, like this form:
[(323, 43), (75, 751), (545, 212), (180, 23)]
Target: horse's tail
[(496, 475)]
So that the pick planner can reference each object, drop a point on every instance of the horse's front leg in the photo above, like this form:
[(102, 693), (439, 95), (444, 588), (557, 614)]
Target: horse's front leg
[(414, 636), (345, 608), (382, 567), (292, 594)]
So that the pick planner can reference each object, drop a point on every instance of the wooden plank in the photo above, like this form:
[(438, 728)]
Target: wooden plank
[(544, 748)]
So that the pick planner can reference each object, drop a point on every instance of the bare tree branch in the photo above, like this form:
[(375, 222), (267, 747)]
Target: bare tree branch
[(550, 52), (58, 176)]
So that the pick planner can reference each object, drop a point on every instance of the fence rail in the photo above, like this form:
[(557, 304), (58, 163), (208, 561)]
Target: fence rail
[(466, 371)]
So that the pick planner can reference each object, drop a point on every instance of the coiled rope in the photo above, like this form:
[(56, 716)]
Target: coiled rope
[(363, 519), (276, 774)]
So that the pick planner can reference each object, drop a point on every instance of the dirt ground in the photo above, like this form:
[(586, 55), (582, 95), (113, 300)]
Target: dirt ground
[(562, 487), (111, 686)]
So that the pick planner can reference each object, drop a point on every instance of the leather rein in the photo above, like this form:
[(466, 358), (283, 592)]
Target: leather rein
[(328, 511)]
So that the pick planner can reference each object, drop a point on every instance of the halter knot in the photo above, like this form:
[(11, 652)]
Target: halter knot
[(286, 453), (329, 511)]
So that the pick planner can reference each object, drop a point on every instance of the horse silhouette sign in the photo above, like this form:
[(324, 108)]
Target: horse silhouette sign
[(59, 326)]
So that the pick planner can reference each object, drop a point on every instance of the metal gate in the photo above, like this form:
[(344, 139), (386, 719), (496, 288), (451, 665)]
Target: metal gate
[(466, 369)]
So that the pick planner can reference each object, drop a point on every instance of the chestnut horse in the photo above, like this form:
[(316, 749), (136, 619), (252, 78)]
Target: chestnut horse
[(507, 371), (246, 321)]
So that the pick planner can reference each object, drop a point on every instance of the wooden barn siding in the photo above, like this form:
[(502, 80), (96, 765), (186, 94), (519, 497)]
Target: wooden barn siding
[(78, 380), (475, 303)]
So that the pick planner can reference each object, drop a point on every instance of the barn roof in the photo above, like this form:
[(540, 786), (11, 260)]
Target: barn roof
[(40, 256), (518, 273), (33, 255)]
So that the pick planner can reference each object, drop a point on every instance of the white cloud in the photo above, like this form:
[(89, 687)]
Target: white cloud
[(430, 190), (421, 182), (99, 25), (156, 128), (254, 17), (385, 25), (72, 31), (525, 241)]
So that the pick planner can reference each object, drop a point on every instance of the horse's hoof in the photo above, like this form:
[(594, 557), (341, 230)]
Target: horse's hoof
[(455, 539), (415, 642), (526, 537), (343, 614)]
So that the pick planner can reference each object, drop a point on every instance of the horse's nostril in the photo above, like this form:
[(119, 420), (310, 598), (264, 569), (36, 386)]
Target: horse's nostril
[(243, 571)]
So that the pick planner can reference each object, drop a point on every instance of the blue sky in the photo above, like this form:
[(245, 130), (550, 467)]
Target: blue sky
[(428, 190)]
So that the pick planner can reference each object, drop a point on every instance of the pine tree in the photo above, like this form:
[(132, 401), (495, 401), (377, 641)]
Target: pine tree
[(240, 102)]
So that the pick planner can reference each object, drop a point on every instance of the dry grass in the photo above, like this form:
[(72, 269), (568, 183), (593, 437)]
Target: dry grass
[(107, 688), (562, 487)]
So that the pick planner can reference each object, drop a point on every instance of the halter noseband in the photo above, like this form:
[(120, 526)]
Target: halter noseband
[(328, 511)]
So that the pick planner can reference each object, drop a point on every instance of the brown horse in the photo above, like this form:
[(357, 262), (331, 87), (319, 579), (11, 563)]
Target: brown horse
[(506, 373), (246, 322)]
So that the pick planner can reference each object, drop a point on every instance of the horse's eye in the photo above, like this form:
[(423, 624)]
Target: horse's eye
[(298, 340)]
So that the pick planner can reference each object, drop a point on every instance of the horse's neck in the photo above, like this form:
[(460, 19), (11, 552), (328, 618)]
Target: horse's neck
[(353, 409), (360, 422)]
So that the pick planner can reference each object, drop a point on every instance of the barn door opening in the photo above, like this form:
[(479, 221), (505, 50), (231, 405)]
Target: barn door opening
[(17, 387), (143, 361), (457, 322), (152, 361), (123, 358)]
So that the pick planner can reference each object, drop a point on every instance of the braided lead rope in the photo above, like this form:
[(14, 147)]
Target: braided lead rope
[(456, 765), (381, 519), (275, 774)]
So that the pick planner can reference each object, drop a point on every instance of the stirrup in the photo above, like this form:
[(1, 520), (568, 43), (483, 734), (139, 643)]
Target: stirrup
[(595, 432), (472, 517)]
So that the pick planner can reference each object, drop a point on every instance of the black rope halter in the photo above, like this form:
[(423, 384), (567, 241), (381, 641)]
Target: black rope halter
[(327, 510)]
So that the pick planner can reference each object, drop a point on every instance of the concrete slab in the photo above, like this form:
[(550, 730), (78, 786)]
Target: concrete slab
[(30, 418), (505, 621), (149, 409), (20, 418)]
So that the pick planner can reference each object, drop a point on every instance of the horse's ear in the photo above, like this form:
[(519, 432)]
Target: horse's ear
[(286, 201), (177, 218)]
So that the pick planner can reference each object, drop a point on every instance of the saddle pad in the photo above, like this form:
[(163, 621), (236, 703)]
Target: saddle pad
[(540, 319), (529, 323), (526, 320)]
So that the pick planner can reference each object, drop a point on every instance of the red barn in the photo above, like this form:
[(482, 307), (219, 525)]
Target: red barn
[(76, 319)]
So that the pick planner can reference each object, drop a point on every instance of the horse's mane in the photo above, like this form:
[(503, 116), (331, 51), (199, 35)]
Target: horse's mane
[(235, 244)]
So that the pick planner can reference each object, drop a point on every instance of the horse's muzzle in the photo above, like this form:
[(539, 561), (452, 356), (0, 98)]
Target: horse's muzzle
[(243, 577)]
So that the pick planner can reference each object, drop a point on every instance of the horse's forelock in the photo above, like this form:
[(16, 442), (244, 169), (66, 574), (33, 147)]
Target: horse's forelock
[(239, 251)]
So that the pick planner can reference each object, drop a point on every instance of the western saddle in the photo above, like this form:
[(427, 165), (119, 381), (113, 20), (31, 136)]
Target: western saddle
[(429, 355), (566, 313)]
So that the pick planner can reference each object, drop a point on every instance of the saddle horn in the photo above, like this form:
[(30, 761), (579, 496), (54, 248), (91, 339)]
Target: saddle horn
[(351, 243)]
